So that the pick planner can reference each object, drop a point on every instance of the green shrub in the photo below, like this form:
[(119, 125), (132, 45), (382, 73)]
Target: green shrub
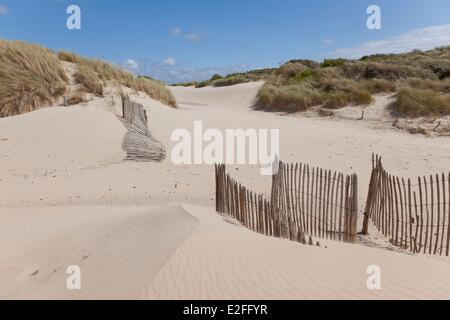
[(216, 77), (327, 63)]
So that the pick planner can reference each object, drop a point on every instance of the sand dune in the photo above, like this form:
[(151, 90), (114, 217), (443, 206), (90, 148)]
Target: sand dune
[(67, 197), (117, 249), (224, 261)]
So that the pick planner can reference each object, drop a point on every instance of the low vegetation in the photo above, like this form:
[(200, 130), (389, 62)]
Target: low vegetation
[(421, 103), (93, 75), (421, 80), (30, 76), (231, 79)]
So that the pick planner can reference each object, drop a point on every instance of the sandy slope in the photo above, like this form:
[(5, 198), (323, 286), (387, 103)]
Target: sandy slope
[(118, 249), (66, 197), (224, 261)]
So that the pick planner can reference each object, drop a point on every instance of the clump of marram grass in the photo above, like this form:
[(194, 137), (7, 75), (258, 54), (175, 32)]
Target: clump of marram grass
[(421, 103), (355, 97), (374, 86), (291, 98), (89, 80), (76, 98), (155, 90), (93, 75), (229, 81), (69, 56), (30, 77), (427, 84)]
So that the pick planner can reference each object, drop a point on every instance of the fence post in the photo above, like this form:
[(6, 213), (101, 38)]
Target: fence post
[(370, 196)]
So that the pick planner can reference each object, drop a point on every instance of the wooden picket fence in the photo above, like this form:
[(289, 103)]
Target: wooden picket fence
[(251, 209), (139, 144), (414, 216), (318, 202), (304, 203)]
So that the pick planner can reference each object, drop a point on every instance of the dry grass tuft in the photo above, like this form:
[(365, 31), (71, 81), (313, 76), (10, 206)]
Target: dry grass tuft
[(89, 80), (93, 75), (156, 90), (30, 77), (76, 98), (421, 103), (292, 98)]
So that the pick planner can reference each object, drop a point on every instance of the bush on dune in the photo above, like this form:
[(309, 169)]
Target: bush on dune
[(30, 77)]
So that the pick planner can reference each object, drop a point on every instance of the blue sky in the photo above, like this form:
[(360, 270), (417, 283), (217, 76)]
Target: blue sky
[(181, 40)]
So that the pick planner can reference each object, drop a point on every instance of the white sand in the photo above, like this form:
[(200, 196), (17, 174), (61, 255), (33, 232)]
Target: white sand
[(66, 197)]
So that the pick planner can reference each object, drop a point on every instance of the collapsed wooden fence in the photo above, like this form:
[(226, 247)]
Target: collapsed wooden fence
[(139, 144), (413, 215), (304, 203)]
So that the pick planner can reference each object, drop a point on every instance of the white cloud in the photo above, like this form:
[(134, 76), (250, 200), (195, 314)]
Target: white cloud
[(328, 41), (3, 10), (131, 64), (193, 37), (176, 32), (422, 39), (169, 62)]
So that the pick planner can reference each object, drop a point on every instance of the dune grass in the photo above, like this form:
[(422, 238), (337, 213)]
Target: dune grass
[(336, 83), (421, 103), (291, 98), (231, 79), (155, 90), (93, 75), (89, 80), (30, 77)]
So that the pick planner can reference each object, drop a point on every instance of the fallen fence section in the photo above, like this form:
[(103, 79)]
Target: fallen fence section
[(139, 143), (304, 203), (414, 215)]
